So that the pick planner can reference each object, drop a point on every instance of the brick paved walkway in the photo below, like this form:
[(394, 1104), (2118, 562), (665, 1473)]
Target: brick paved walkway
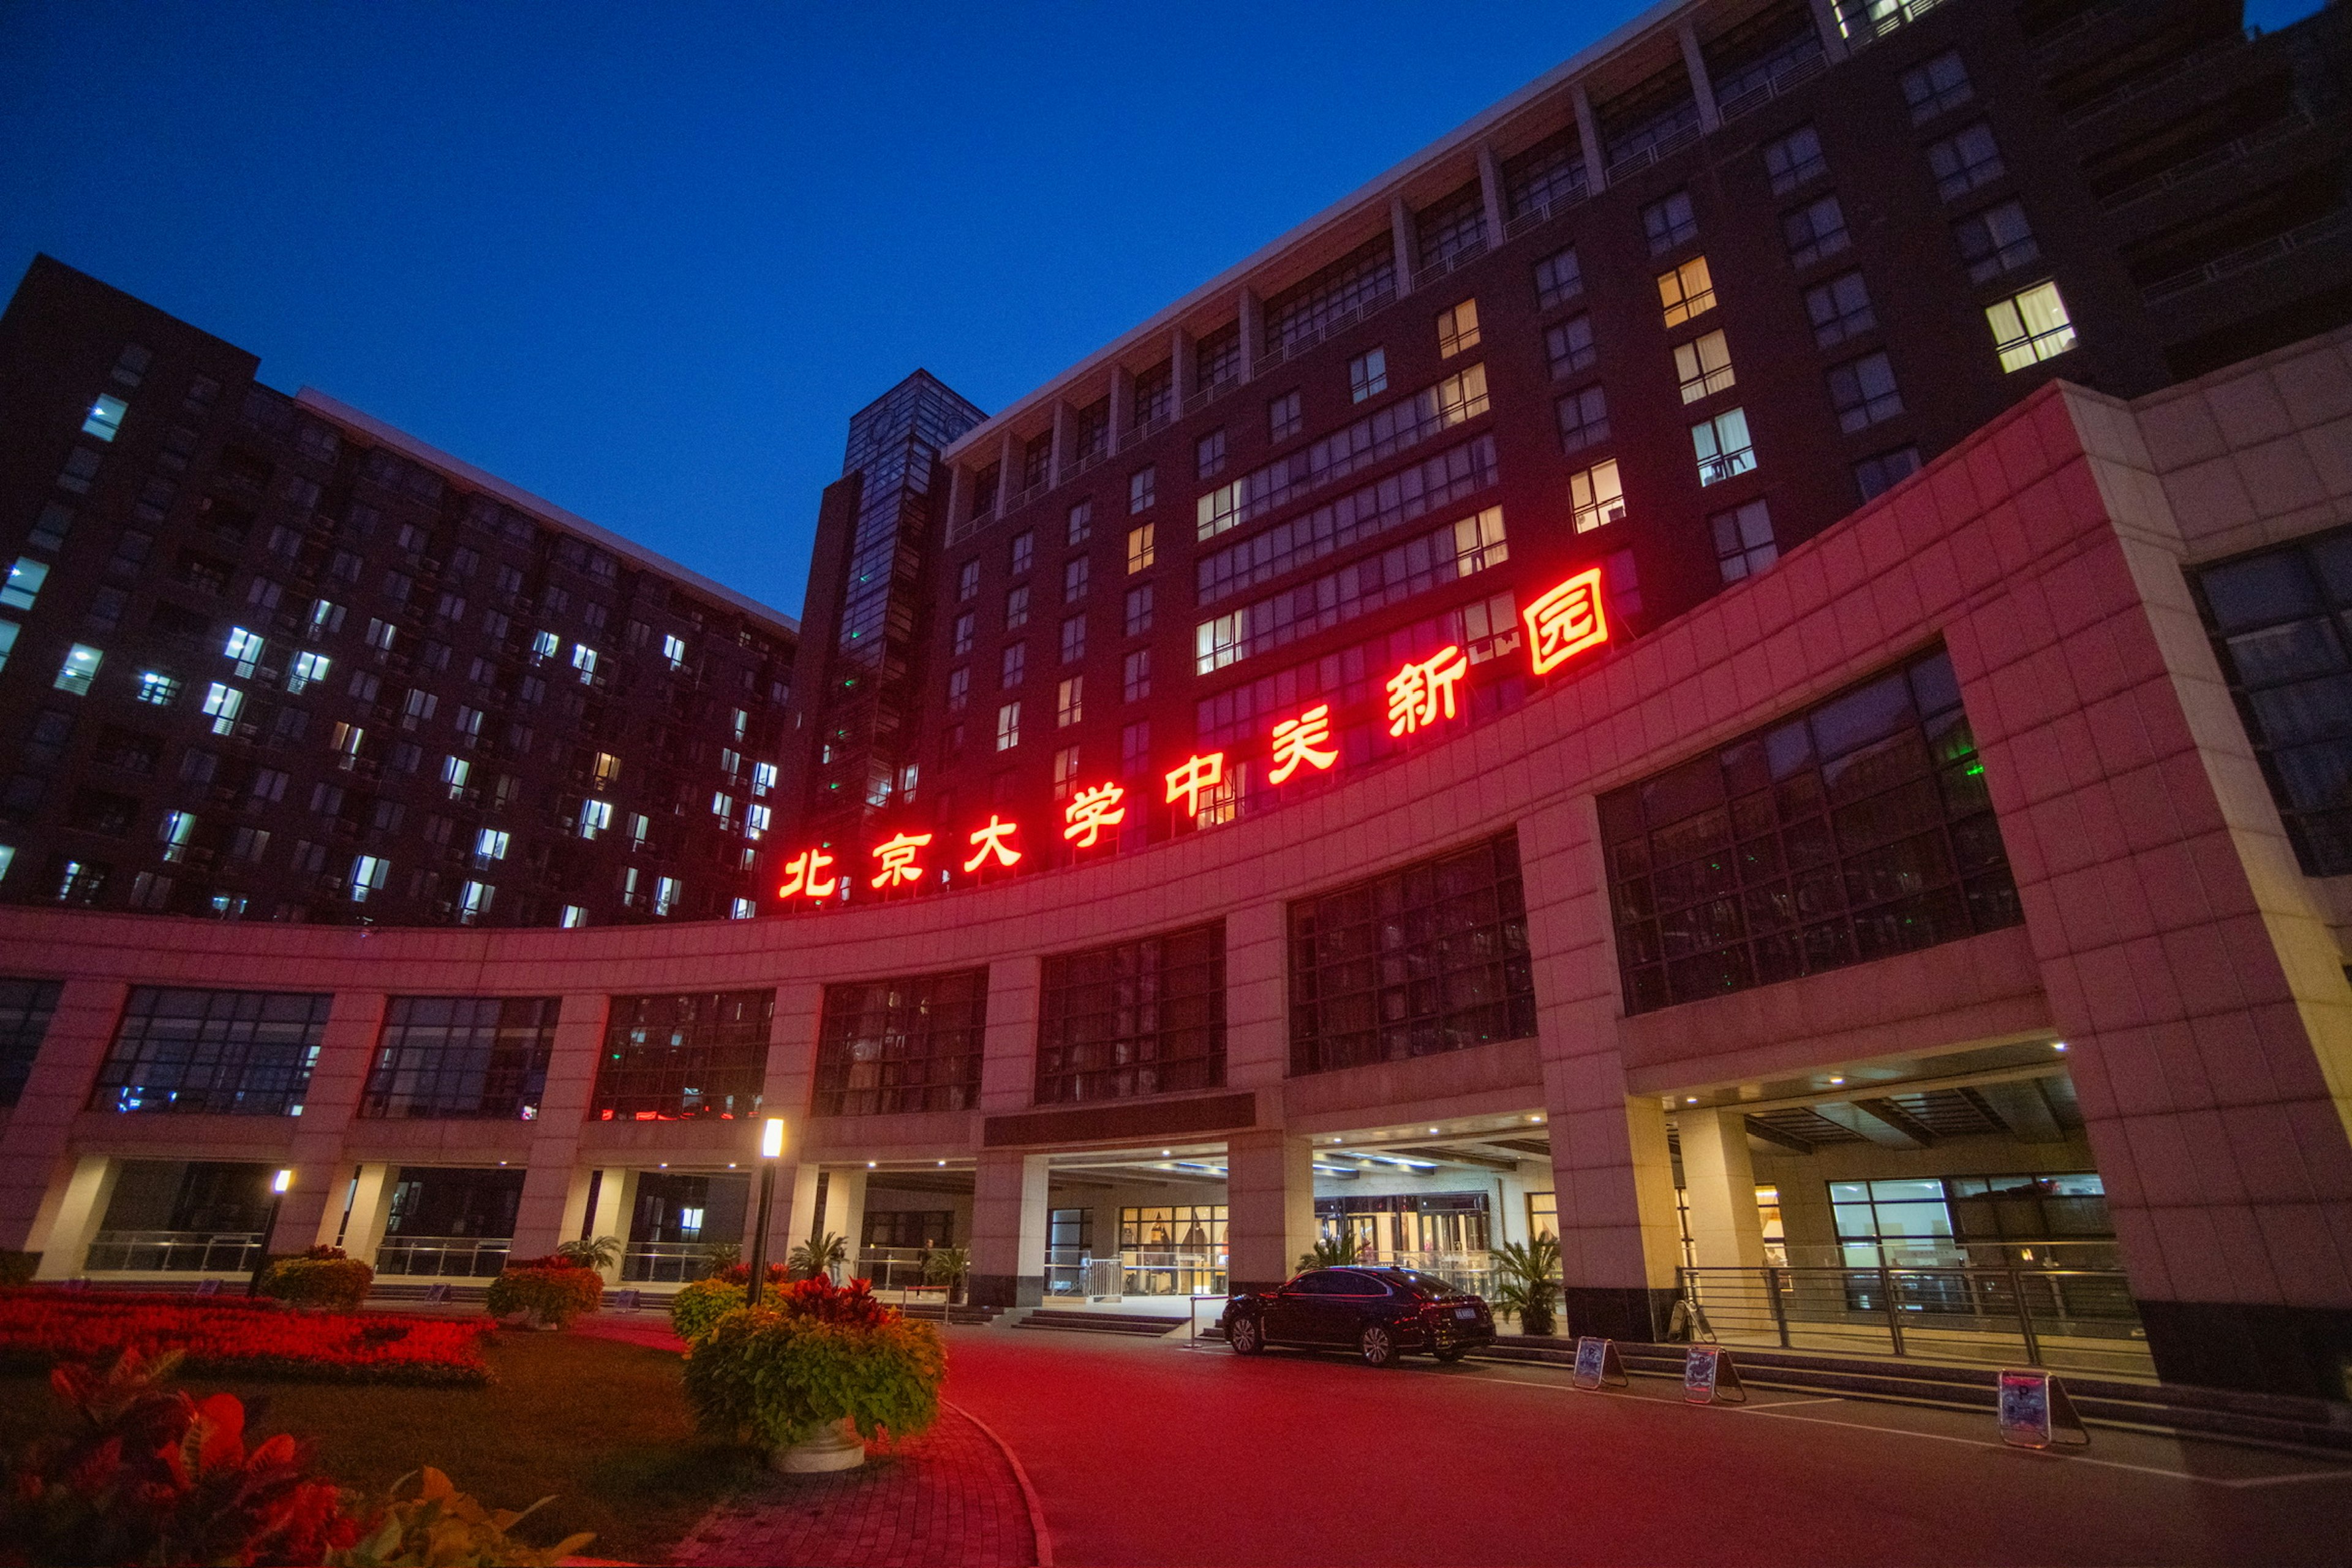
[(945, 1497)]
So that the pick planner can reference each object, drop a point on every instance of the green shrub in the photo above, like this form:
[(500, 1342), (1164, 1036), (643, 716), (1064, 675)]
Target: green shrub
[(441, 1527), (602, 1252), (697, 1308), (1527, 1281), (17, 1268), (322, 1277), (552, 1289), (1331, 1252), (777, 1378)]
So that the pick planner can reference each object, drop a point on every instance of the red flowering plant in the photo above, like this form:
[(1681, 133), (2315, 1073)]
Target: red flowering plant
[(145, 1476), (40, 1327)]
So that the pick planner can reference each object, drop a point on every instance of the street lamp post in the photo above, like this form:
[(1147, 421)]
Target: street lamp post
[(772, 1149), (278, 1186)]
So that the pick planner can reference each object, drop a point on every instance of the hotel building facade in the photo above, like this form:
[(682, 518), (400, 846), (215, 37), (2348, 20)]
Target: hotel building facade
[(1850, 833)]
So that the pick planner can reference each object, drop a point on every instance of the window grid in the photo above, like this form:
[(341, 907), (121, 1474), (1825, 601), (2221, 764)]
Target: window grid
[(2031, 327), (1559, 278), (1864, 393), (1794, 160), (1427, 958), (1703, 366), (1134, 1018), (1569, 348), (673, 1059), (1688, 290), (25, 1009), (1859, 829), (1583, 419), (1997, 240), (890, 1047), (1839, 310), (1723, 446), (1814, 231), (1961, 161), (1743, 540), (471, 1056), (217, 1052)]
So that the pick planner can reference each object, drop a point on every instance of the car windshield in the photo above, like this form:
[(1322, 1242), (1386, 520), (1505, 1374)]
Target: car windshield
[(1414, 1282)]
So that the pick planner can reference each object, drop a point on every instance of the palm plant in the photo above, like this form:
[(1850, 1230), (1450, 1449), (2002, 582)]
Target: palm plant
[(723, 1255), (1331, 1252), (820, 1254), (1527, 1281), (602, 1252), (947, 1266)]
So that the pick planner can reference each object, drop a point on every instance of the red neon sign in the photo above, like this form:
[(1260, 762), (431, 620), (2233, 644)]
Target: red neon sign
[(898, 857), (1198, 775), (804, 876), (1303, 739), (1092, 810), (1420, 694), (1566, 621), (991, 842)]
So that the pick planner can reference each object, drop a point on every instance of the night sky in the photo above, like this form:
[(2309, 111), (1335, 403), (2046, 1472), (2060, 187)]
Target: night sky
[(645, 261)]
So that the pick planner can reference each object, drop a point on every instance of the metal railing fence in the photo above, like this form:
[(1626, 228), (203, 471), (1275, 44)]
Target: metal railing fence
[(173, 1252), (444, 1256)]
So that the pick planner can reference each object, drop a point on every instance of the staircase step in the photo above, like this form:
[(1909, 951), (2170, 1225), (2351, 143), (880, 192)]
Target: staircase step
[(1100, 1322)]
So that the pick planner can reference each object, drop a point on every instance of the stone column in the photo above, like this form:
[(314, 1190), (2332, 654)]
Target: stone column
[(1401, 237), (1727, 1231), (1702, 84), (1122, 407), (844, 1211), (959, 496), (1008, 1063), (1269, 1206), (36, 1165), (75, 1216), (1008, 468), (1825, 23), (549, 1194), (1182, 373), (1008, 1228), (361, 1224), (1058, 462), (1588, 132), (1490, 191), (1251, 315), (346, 1049)]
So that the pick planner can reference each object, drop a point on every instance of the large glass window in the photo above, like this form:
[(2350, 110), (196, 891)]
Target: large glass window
[(1430, 958), (1303, 313), (670, 1058), (236, 1052), (1859, 829), (887, 1047), (25, 1008), (462, 1057), (2282, 622), (1134, 1018)]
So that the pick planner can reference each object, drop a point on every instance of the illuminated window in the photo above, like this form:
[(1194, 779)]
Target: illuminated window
[(965, 625), (157, 688), (1864, 393), (1875, 474), (1596, 496), (1559, 278), (1816, 230), (575, 916), (1723, 446), (222, 1052), (308, 667), (1139, 609), (1142, 489), (1583, 419), (1996, 240), (1209, 454), (1568, 347), (1368, 374), (81, 667), (368, 874), (1008, 726), (1073, 639), (1139, 547), (105, 417), (1935, 86), (1688, 290), (1134, 1018), (1081, 524), (674, 652), (23, 584), (1704, 366), (177, 828), (1794, 159), (1743, 540), (2031, 327), (1669, 221), (901, 1045), (462, 1057), (1016, 608), (490, 844), (9, 631), (668, 1058), (455, 771), (1961, 161), (666, 895), (583, 660), (1426, 959), (595, 817), (1013, 666), (742, 910), (1075, 575), (968, 581), (1457, 328), (1025, 551), (1283, 419), (1070, 701), (1839, 309), (959, 688), (1065, 771), (1856, 829), (1137, 674)]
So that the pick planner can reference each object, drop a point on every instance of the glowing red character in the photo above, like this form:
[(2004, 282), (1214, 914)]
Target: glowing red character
[(1199, 775), (1566, 621), (1306, 739), (1092, 810), (804, 877), (993, 841), (1420, 694), (898, 857)]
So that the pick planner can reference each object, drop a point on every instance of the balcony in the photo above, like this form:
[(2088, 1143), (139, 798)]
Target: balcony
[(173, 1252), (2334, 225), (444, 1256)]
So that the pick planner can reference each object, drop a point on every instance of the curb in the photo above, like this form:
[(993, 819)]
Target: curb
[(1039, 1534)]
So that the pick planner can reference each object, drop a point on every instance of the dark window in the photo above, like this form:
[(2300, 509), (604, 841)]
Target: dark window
[(1559, 278), (1874, 475), (1669, 222), (1864, 392), (1794, 159), (1430, 958), (1839, 309), (1965, 160), (25, 1008), (1859, 829), (1583, 419), (910, 1229), (2281, 621), (667, 1058), (236, 1052), (1814, 230), (888, 1047), (1568, 347), (462, 1057), (1997, 240), (1134, 1018)]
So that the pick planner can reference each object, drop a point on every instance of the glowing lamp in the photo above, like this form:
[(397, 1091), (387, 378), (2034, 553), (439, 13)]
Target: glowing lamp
[(281, 1181), (772, 1138)]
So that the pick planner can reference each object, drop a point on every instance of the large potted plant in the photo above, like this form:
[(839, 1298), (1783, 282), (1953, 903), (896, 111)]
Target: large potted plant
[(1527, 1281), (545, 1292), (812, 1372), (321, 1278), (819, 1255), (945, 1266)]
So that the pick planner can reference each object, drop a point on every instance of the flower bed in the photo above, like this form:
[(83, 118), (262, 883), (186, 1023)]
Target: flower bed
[(39, 1327)]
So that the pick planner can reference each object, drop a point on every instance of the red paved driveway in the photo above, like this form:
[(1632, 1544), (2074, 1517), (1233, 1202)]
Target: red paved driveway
[(1144, 1453)]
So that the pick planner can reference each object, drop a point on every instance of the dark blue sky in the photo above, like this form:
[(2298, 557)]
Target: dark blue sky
[(646, 260)]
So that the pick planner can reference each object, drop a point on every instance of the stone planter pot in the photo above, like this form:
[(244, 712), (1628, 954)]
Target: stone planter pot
[(837, 1448)]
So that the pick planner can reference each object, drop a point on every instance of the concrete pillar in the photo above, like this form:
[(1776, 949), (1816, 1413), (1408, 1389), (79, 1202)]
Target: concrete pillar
[(1825, 23), (1008, 1063), (844, 1211), (1726, 1232), (313, 1202), (1400, 236), (1008, 468), (1064, 438), (36, 1164), (1269, 1206), (550, 1211), (1251, 312), (1183, 375), (1490, 192), (1008, 1230), (1257, 1003), (1702, 84), (1122, 407), (368, 1206), (75, 1217), (958, 495), (1588, 132)]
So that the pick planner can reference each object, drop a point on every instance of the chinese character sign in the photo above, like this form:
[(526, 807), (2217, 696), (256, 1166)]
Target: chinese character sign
[(1306, 739), (1092, 810), (1199, 775), (993, 842), (898, 857), (1420, 694), (804, 877), (1566, 621)]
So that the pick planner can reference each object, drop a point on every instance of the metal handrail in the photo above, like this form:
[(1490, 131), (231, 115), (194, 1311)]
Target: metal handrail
[(1800, 69), (1535, 216), (2251, 255), (173, 1252), (443, 1257), (2171, 71), (2213, 158)]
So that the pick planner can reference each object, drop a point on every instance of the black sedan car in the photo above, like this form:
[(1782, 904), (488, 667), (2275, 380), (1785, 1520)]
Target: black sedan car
[(1378, 1313)]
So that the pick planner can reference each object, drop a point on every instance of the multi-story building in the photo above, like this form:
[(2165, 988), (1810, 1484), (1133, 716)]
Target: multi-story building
[(1668, 312), (269, 658)]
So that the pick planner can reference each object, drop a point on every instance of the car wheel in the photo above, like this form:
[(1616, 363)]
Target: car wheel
[(1244, 1336), (1377, 1346), (1452, 1354)]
